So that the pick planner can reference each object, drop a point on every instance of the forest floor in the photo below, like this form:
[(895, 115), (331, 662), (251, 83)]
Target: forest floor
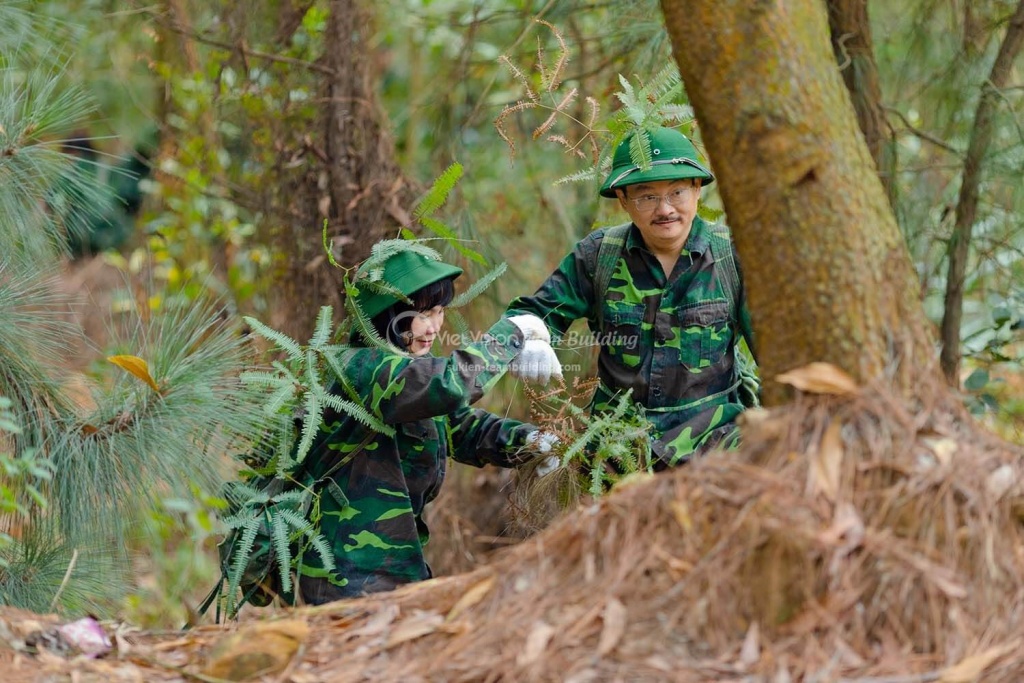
[(852, 538)]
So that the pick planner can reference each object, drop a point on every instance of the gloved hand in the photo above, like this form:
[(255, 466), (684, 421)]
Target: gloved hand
[(537, 362), (542, 443), (531, 326)]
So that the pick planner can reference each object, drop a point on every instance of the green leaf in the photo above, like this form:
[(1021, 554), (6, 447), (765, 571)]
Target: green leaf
[(977, 380)]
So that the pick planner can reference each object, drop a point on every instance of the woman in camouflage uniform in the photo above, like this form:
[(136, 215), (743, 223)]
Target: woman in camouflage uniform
[(371, 507)]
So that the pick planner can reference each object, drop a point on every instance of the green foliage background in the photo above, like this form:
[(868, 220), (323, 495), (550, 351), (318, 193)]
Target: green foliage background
[(234, 105)]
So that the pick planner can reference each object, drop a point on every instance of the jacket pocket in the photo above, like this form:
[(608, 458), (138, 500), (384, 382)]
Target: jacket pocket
[(705, 331), (621, 334)]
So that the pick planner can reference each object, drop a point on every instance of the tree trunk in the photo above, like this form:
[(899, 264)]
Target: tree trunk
[(356, 186), (827, 271), (967, 205), (854, 50)]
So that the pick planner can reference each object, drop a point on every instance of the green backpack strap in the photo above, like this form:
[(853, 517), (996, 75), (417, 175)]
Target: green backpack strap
[(608, 254), (746, 369)]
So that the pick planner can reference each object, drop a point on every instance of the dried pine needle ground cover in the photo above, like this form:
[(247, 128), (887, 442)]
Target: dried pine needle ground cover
[(852, 539)]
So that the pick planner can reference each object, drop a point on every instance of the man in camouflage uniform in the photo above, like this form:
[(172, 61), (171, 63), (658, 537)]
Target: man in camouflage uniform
[(665, 299), (373, 487)]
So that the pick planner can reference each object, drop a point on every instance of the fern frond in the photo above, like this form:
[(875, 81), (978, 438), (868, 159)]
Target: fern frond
[(519, 76), (587, 174), (313, 372), (323, 550), (291, 498), (310, 426), (665, 84), (450, 236), (552, 80), (676, 112), (291, 347), (297, 521), (541, 68), (362, 324), (322, 331), (358, 413), (260, 378), (280, 399), (559, 109), (640, 149), (280, 535), (240, 558), (438, 193), (385, 249), (479, 286)]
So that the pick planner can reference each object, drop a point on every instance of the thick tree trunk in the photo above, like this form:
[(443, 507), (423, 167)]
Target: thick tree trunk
[(827, 271), (855, 53), (967, 205), (356, 186)]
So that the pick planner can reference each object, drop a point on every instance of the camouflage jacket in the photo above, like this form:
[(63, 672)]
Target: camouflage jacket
[(371, 509), (669, 339)]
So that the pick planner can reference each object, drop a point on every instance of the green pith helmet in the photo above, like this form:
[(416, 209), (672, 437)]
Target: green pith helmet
[(673, 157), (408, 272)]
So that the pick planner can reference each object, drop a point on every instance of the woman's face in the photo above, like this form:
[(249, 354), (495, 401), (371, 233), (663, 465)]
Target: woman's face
[(425, 327)]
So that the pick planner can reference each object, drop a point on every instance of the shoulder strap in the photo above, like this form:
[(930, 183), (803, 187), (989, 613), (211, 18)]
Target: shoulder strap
[(608, 254), (721, 249)]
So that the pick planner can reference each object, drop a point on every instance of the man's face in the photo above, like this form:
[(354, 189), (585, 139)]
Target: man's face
[(663, 210)]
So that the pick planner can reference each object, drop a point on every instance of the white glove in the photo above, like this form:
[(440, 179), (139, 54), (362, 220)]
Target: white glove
[(531, 326), (542, 443), (550, 464), (537, 362)]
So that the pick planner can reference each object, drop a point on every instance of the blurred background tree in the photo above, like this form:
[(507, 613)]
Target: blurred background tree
[(275, 115)]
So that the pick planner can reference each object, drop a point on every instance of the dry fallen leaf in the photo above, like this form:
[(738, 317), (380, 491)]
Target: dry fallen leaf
[(536, 643), (256, 649), (470, 598), (819, 378), (943, 448), (970, 668), (681, 512), (750, 651), (826, 463), (135, 366), (614, 618), (416, 626)]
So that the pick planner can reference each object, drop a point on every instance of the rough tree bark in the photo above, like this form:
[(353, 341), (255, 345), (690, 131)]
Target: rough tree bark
[(855, 53), (828, 274), (967, 205), (356, 185)]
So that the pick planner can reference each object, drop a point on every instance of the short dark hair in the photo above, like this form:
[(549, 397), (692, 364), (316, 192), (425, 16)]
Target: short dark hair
[(393, 326)]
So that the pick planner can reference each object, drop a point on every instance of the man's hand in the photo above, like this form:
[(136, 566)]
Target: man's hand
[(537, 362), (531, 326)]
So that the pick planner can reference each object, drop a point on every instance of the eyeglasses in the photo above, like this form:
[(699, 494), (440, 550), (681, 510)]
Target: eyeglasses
[(677, 197)]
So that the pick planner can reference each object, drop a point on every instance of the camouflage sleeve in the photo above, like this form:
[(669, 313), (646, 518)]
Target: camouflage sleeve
[(567, 294), (400, 389), (480, 438)]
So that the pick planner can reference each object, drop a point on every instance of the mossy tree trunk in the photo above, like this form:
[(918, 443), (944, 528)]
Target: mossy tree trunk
[(854, 49), (355, 182), (828, 274)]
